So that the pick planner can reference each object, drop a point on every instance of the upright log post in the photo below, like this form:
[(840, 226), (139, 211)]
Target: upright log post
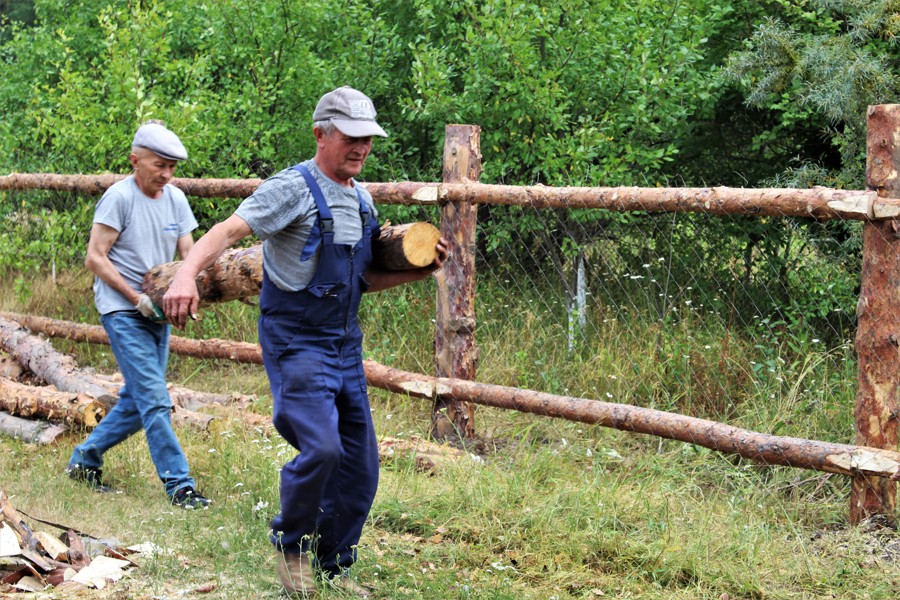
[(455, 351), (878, 310)]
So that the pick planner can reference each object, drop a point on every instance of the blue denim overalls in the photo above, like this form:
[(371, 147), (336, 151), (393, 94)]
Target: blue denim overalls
[(312, 351)]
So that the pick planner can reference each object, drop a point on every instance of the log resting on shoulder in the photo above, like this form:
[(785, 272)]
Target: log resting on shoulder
[(237, 273)]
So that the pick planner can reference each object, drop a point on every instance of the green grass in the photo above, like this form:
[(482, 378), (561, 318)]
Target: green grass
[(544, 509)]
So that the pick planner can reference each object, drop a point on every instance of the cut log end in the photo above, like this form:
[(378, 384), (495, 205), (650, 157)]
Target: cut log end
[(407, 246), (419, 244)]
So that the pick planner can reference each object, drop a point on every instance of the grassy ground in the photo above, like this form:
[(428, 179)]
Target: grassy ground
[(542, 508)]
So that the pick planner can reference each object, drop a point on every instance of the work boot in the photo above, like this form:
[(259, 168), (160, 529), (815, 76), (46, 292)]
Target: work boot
[(189, 498), (349, 586), (295, 573), (90, 476)]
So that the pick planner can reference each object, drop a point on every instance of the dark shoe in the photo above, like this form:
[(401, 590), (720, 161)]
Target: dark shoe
[(295, 573), (90, 476), (188, 497)]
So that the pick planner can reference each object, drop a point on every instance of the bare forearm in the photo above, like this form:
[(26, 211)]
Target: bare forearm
[(382, 280), (103, 268)]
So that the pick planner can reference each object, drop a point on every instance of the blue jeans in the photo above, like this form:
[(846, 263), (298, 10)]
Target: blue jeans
[(141, 348)]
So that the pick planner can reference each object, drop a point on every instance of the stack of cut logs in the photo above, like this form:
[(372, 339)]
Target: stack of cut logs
[(77, 398), (31, 561)]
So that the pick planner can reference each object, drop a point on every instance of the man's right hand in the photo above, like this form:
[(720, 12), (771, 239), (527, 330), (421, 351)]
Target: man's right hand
[(146, 307), (181, 300)]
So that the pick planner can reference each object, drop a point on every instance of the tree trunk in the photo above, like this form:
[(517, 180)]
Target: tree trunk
[(759, 447), (43, 360), (30, 431), (47, 403), (407, 246)]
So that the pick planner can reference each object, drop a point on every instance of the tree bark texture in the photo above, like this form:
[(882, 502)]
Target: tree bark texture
[(57, 369), (456, 354), (47, 403), (242, 352), (406, 246), (29, 430), (817, 203), (878, 313), (236, 275), (767, 449)]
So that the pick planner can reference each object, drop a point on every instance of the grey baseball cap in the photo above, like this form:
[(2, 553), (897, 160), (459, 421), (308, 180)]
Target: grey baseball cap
[(160, 141), (351, 111)]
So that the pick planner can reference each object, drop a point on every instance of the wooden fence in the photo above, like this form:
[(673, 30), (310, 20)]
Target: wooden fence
[(874, 463)]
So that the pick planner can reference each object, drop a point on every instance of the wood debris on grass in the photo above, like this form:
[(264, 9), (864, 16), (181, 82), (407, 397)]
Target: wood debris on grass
[(33, 561)]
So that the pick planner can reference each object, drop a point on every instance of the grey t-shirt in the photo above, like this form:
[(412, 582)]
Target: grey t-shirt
[(281, 212), (148, 235)]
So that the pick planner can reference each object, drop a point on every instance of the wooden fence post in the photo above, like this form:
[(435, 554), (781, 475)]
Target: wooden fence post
[(878, 311), (454, 345)]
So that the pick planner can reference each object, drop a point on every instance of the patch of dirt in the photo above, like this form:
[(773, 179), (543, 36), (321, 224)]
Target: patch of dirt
[(875, 540)]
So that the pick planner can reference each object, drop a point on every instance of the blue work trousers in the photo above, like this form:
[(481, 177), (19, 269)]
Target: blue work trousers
[(141, 348)]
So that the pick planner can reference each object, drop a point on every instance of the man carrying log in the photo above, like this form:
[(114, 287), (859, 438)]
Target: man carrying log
[(138, 223), (317, 225)]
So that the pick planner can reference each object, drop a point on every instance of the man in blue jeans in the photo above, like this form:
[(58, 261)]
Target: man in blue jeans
[(139, 222), (317, 225)]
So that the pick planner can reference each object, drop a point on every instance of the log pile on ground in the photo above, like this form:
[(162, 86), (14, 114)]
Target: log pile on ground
[(32, 561), (43, 415)]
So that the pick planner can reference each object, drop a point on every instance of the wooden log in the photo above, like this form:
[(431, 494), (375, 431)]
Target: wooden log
[(455, 351), (47, 403), (766, 449), (817, 203), (406, 246), (878, 326), (95, 185), (30, 431), (241, 352), (236, 275), (57, 369)]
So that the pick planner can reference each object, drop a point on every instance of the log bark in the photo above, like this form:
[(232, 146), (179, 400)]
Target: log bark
[(47, 403), (43, 360), (406, 246), (878, 313), (236, 275), (455, 352), (29, 430), (817, 203), (766, 449), (242, 352)]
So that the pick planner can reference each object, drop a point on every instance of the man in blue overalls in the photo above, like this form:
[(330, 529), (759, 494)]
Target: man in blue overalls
[(317, 225)]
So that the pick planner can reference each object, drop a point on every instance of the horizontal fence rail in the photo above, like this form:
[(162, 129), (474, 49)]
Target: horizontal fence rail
[(816, 203)]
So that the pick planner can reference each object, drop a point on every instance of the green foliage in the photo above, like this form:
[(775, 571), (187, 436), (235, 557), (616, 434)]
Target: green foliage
[(818, 65)]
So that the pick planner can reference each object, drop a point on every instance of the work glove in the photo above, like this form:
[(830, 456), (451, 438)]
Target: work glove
[(146, 307)]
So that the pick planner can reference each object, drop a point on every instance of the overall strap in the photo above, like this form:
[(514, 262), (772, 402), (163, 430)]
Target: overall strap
[(324, 227)]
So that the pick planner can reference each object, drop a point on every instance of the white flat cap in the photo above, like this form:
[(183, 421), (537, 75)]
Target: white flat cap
[(159, 140)]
